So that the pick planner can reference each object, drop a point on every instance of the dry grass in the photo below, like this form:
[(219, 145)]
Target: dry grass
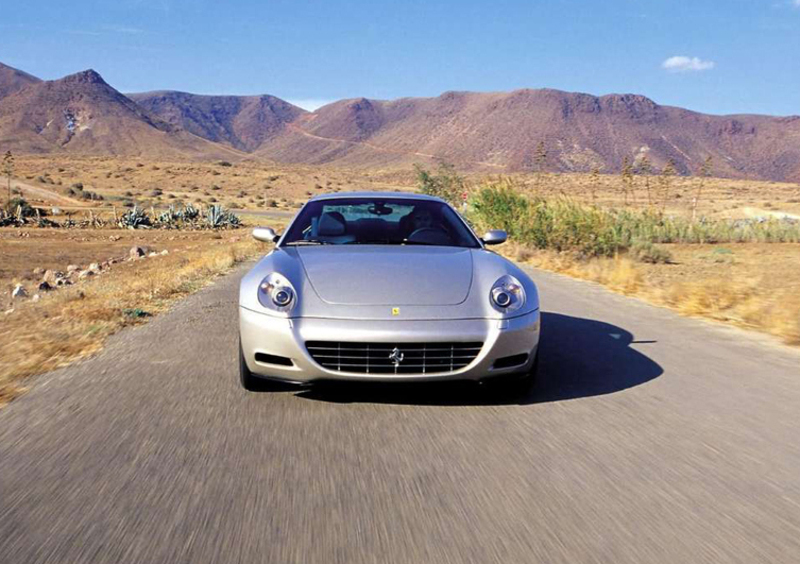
[(74, 322), (756, 300)]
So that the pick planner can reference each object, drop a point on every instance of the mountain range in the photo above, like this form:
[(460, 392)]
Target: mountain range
[(493, 132)]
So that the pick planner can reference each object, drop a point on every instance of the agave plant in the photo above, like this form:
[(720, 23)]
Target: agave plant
[(190, 213), (134, 219), (217, 217)]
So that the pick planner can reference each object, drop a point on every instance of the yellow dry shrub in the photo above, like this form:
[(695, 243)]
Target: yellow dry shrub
[(740, 302)]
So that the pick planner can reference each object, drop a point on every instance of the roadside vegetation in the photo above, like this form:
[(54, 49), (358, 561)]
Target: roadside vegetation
[(652, 251), (37, 336)]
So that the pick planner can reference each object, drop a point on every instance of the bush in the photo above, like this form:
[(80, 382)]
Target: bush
[(14, 203), (644, 251), (562, 224), (445, 183)]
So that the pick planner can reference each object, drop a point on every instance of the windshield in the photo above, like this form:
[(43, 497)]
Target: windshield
[(379, 221)]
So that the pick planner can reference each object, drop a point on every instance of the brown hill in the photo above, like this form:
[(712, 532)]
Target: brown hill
[(243, 122), (496, 132), (12, 80), (81, 113), (500, 131)]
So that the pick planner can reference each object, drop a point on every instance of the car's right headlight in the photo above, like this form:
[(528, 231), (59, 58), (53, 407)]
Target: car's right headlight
[(507, 294), (276, 293)]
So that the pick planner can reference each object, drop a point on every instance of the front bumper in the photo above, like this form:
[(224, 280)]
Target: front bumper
[(261, 333)]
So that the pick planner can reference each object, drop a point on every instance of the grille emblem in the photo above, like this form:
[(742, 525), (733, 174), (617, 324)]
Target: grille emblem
[(396, 357)]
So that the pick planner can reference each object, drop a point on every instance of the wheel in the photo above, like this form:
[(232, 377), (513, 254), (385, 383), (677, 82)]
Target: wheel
[(249, 382)]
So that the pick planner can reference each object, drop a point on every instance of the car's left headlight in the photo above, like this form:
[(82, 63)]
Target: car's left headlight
[(276, 293), (507, 294)]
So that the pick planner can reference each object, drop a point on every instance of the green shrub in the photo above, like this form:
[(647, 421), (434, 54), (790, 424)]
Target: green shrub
[(445, 183), (15, 203), (645, 251), (562, 224)]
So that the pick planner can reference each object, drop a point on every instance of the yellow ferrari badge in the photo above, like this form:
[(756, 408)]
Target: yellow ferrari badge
[(395, 311)]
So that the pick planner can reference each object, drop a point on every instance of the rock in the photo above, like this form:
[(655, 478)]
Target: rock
[(55, 211), (19, 292), (9, 311), (165, 252), (52, 277), (94, 267), (137, 252), (72, 268), (35, 298), (45, 286), (63, 282), (38, 272), (153, 254), (85, 274)]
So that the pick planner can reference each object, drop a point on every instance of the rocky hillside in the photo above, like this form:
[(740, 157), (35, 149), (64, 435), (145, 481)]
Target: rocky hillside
[(242, 122), (81, 113)]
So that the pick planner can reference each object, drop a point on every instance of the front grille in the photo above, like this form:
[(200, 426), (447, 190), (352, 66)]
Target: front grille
[(393, 358)]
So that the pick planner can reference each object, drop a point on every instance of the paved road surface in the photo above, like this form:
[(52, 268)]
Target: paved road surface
[(651, 438)]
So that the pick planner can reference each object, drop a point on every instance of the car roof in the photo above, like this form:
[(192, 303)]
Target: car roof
[(375, 195)]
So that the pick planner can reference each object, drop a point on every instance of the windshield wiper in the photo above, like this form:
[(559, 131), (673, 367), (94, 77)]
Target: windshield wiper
[(309, 242)]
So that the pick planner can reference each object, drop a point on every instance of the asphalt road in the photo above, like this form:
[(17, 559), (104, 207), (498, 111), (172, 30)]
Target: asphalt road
[(650, 438)]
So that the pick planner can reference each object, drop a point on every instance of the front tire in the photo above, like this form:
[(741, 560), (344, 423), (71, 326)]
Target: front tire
[(248, 381)]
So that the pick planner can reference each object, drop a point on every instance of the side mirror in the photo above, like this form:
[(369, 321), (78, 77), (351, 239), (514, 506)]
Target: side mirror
[(265, 234), (494, 237)]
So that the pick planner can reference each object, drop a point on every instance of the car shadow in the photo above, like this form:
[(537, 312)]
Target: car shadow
[(579, 358)]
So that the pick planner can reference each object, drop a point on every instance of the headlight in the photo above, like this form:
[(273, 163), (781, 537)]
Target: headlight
[(507, 294), (276, 293)]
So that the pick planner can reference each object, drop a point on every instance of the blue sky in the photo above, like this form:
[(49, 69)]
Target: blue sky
[(716, 56)]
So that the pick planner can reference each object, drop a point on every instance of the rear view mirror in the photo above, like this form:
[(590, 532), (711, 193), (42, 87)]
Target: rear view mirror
[(494, 237), (265, 234)]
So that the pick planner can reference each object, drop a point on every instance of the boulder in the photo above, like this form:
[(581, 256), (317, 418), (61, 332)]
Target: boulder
[(94, 267), (38, 272), (45, 286), (19, 292), (165, 252), (137, 252), (52, 277), (86, 274), (72, 268)]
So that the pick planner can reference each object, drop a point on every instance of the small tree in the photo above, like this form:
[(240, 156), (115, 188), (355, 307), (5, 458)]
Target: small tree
[(8, 170), (646, 169), (594, 181), (627, 178), (705, 172), (665, 180), (445, 183), (540, 162)]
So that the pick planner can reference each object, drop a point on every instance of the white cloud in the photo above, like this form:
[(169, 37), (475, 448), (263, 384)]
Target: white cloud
[(681, 63), (310, 104)]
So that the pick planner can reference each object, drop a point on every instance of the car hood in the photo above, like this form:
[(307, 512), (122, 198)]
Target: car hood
[(388, 275)]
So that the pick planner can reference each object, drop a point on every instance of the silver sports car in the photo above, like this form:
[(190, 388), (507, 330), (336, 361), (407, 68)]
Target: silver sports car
[(389, 287)]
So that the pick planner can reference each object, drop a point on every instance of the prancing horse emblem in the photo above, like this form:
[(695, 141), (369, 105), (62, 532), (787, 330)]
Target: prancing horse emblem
[(396, 357)]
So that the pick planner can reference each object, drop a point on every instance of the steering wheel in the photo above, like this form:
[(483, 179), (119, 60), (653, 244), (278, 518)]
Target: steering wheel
[(430, 235)]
